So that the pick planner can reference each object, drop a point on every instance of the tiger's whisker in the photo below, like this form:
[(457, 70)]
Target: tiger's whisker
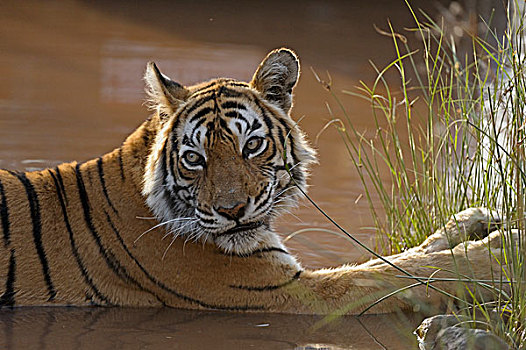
[(146, 217), (177, 231), (159, 225), (285, 190), (167, 248)]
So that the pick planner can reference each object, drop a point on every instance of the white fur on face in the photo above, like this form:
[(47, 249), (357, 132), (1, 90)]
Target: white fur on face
[(187, 220)]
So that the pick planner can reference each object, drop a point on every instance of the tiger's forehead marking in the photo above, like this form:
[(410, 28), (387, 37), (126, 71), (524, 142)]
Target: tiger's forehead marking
[(221, 111)]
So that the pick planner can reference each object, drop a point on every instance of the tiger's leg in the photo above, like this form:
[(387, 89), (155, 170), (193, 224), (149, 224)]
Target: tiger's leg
[(434, 277), (469, 224)]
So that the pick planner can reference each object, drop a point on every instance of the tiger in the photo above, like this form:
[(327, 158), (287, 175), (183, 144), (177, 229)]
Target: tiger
[(210, 169)]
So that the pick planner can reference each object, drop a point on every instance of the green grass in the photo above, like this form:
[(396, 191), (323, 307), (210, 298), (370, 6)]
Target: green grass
[(450, 134)]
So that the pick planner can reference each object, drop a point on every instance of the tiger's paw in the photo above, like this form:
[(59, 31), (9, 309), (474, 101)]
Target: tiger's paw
[(469, 224), (472, 224)]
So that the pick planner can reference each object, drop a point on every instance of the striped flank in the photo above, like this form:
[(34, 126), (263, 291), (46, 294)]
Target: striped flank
[(83, 270), (37, 231)]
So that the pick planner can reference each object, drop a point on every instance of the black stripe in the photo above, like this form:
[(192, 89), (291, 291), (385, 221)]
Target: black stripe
[(281, 137), (262, 250), (202, 94), (109, 258), (4, 215), (238, 83), (284, 124), (239, 127), (121, 165), (61, 183), (189, 109), (127, 276), (206, 87), (34, 206), (266, 118), (291, 141), (273, 249), (264, 150), (201, 113), (204, 211), (168, 196), (272, 154), (224, 125), (216, 84), (224, 91), (176, 188), (229, 138), (8, 298), (171, 159), (103, 183), (233, 104), (236, 115), (216, 105), (164, 168), (226, 134), (260, 194), (210, 129), (298, 175), (255, 125), (269, 287), (183, 176), (186, 141), (264, 203), (197, 125), (74, 250), (146, 138), (205, 220)]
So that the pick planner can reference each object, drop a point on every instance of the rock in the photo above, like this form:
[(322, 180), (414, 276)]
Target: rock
[(442, 332), (457, 338), (428, 330)]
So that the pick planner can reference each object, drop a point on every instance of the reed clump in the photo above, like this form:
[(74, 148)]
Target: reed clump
[(450, 134)]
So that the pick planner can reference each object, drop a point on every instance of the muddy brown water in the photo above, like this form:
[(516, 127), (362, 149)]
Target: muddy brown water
[(71, 89)]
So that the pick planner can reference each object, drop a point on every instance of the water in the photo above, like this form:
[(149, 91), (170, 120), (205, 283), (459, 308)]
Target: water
[(113, 328), (71, 89)]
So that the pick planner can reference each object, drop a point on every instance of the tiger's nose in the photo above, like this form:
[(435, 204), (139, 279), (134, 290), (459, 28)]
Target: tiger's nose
[(233, 212)]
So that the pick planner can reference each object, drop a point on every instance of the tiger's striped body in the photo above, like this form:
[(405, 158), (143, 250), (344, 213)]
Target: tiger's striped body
[(78, 245), (212, 166)]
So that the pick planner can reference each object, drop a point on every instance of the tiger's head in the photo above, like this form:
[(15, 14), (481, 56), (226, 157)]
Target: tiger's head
[(227, 157)]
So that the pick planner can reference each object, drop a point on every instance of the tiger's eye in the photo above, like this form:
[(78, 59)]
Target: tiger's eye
[(253, 144), (192, 158)]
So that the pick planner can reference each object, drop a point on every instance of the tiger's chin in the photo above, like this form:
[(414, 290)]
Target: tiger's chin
[(245, 239)]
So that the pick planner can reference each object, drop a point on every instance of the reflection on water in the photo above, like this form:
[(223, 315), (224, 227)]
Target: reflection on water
[(72, 89), (188, 64), (113, 328)]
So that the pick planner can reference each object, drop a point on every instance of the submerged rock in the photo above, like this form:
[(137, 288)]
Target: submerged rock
[(442, 333)]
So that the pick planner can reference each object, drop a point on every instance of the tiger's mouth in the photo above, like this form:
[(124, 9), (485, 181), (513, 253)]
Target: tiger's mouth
[(249, 226)]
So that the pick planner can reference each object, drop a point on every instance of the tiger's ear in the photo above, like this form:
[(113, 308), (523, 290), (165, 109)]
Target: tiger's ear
[(276, 76), (164, 94)]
